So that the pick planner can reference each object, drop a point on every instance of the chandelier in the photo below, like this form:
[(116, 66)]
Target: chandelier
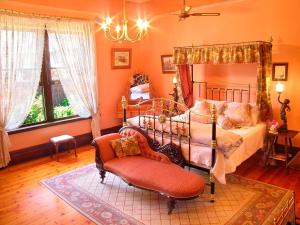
[(120, 32)]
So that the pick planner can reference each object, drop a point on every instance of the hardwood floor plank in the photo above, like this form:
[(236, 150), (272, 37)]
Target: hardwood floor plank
[(24, 200)]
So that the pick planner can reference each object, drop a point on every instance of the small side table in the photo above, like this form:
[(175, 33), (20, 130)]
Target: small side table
[(56, 141), (289, 152)]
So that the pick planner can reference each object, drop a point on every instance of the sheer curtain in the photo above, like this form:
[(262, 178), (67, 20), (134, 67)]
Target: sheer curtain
[(72, 53), (21, 53)]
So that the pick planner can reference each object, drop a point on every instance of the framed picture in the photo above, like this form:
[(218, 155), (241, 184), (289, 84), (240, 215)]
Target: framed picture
[(280, 71), (120, 58), (167, 64)]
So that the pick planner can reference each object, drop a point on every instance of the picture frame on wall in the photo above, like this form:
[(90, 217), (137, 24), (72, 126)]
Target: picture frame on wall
[(167, 64), (280, 72), (120, 58)]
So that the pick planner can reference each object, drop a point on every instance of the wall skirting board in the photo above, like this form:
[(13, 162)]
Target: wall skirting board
[(42, 150)]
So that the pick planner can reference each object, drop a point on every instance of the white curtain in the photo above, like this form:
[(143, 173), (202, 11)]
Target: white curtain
[(21, 53), (72, 53)]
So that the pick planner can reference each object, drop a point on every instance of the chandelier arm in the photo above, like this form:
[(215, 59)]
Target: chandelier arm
[(124, 36), (111, 37)]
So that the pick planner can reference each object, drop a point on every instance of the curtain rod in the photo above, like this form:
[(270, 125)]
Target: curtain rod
[(41, 16), (233, 43)]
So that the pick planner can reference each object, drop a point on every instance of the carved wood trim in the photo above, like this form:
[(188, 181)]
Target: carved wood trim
[(171, 150)]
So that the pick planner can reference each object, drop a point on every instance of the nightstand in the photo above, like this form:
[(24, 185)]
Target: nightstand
[(272, 152)]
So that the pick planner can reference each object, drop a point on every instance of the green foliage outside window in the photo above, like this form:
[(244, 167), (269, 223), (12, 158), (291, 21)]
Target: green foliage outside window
[(63, 110), (37, 110)]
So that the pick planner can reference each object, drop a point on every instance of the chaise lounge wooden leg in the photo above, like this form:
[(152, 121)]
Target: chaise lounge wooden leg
[(171, 205), (102, 174)]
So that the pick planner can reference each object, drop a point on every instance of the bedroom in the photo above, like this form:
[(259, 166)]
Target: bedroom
[(240, 21)]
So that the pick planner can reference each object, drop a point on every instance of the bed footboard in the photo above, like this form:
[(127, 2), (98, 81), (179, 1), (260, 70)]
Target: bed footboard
[(168, 121)]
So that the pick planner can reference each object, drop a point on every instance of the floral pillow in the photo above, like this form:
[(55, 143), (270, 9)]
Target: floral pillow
[(125, 146), (224, 122), (238, 113), (200, 112), (220, 105)]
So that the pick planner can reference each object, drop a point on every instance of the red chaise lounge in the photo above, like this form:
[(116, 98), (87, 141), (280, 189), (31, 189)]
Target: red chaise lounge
[(150, 170)]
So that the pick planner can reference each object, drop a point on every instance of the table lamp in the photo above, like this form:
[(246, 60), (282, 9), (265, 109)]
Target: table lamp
[(284, 107)]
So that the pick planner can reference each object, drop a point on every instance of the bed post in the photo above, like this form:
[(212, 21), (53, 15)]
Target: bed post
[(213, 150), (124, 107)]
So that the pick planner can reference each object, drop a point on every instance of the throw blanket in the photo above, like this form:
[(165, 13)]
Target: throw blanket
[(227, 142)]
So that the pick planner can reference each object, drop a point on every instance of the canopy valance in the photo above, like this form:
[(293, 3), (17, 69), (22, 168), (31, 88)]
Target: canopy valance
[(258, 52)]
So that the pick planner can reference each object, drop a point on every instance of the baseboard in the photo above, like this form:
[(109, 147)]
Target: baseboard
[(42, 150)]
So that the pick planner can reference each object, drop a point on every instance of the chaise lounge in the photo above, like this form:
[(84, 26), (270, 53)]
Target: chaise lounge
[(149, 170)]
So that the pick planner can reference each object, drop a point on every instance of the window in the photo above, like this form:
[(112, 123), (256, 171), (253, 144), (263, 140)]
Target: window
[(50, 103)]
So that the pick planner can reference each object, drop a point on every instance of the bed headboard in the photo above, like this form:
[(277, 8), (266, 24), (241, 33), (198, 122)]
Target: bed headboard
[(229, 92)]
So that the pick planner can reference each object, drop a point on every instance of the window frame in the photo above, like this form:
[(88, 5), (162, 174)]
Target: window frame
[(46, 84)]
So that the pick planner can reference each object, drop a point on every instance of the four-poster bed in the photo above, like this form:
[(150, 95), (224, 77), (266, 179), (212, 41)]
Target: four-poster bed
[(177, 126)]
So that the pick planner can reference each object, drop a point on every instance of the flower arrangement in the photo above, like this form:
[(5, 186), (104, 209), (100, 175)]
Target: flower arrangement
[(273, 126)]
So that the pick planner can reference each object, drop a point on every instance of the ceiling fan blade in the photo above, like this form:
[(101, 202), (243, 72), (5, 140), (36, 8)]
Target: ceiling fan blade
[(205, 14)]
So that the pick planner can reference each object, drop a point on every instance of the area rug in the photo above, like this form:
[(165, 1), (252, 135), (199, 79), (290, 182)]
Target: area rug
[(240, 201)]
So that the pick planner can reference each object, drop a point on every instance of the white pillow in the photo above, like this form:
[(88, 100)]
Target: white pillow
[(142, 88)]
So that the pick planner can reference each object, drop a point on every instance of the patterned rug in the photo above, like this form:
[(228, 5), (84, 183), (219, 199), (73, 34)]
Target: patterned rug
[(240, 201)]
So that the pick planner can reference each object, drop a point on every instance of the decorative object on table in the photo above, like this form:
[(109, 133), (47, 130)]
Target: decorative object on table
[(167, 64), (139, 87), (120, 58), (87, 195), (280, 71), (273, 127), (284, 107), (120, 31)]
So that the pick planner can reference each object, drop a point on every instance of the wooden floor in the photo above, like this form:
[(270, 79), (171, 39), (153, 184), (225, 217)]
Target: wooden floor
[(23, 200)]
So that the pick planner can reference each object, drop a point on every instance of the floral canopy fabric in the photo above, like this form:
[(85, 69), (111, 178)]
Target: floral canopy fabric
[(258, 52)]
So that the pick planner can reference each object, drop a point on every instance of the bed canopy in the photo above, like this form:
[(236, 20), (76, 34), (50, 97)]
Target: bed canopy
[(259, 52)]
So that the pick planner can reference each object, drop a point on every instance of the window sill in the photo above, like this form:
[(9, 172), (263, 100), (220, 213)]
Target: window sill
[(44, 125)]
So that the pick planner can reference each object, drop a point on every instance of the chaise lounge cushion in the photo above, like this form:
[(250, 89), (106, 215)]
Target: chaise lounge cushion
[(166, 178)]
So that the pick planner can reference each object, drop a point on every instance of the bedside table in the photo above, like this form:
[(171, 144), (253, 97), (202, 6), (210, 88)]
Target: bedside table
[(289, 152)]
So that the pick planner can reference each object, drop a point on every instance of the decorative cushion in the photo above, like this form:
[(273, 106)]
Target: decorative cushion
[(224, 122), (200, 112), (130, 145), (117, 147), (238, 113), (125, 146), (220, 105)]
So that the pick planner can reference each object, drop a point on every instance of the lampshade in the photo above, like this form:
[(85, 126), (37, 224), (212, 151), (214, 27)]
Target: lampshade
[(279, 87), (174, 80)]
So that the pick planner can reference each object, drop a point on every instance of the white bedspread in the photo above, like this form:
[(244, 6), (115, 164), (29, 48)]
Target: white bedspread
[(253, 138)]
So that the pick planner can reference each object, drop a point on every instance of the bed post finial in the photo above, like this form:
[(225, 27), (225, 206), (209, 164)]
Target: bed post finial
[(124, 107), (213, 113)]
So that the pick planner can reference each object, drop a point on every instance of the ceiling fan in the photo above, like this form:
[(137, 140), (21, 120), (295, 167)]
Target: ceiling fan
[(186, 12)]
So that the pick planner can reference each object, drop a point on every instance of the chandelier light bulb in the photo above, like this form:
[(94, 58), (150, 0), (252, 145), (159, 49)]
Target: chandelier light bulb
[(118, 28), (140, 23), (103, 26), (145, 25), (108, 20)]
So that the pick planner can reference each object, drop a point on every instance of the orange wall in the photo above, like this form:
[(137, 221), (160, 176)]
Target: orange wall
[(112, 84), (245, 20)]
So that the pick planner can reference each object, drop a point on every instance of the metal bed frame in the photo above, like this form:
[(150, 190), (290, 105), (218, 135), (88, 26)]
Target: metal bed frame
[(163, 110)]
